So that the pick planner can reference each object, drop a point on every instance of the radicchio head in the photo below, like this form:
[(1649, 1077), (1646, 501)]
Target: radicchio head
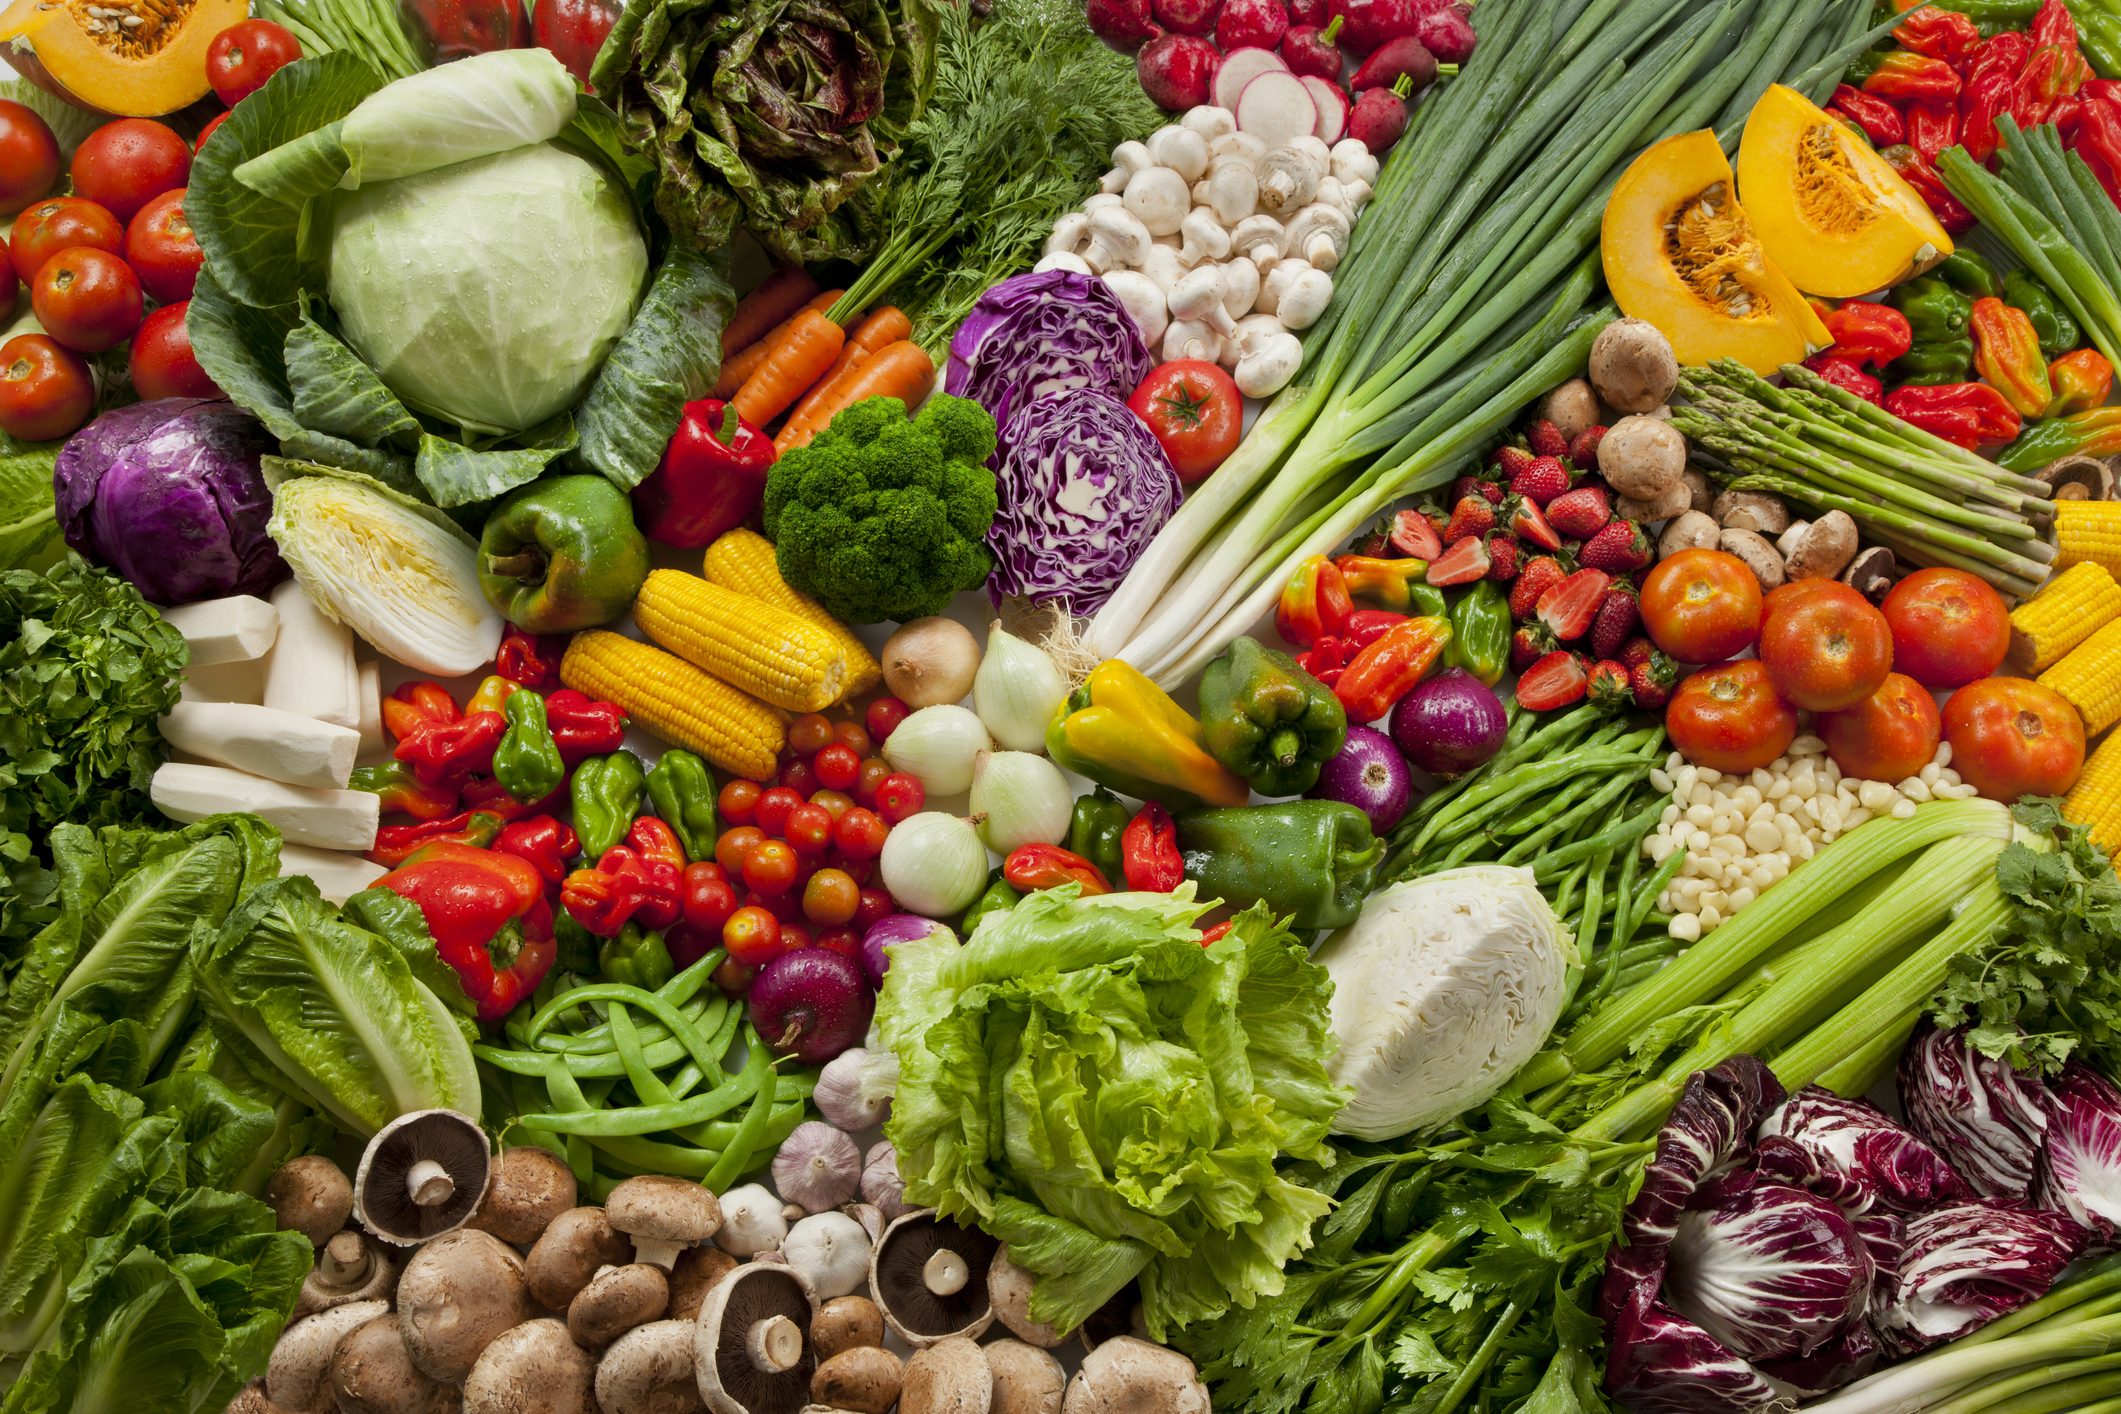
[(1774, 1273), (2079, 1173), (1964, 1264), (1987, 1119), (1851, 1153)]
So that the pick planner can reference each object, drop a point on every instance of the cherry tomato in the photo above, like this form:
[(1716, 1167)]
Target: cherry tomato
[(774, 808), (739, 801), (709, 897), (883, 718), (830, 898), (799, 777), (771, 867), (1728, 717), (162, 250), (1827, 652), (1701, 606), (161, 358), (837, 766), (1195, 411), (29, 156), (899, 797), (786, 906), (860, 834), (242, 57), (2013, 737), (124, 165), (868, 779), (213, 126), (875, 907), (574, 30), (87, 299), (753, 937), (855, 737), (862, 871), (832, 802), (688, 944), (46, 389), (734, 846), (1889, 736), (61, 223), (842, 940), (734, 978), (809, 734), (810, 830), (795, 935), (1950, 628)]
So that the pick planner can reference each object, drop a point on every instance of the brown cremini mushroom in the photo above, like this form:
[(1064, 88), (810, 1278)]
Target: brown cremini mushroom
[(422, 1175), (649, 1371), (1009, 1288), (845, 1323), (748, 1351), (1643, 458), (1871, 575), (351, 1267), (616, 1300), (574, 1247), (1571, 406), (1129, 1376), (1701, 490), (928, 1276), (949, 1377), (530, 1187), (662, 1216), (252, 1399), (1632, 366), (298, 1373), (1027, 1380), (456, 1296), (373, 1373), (532, 1368), (1751, 510), (1822, 549), (2078, 478), (1763, 559), (1663, 507), (1689, 530), (865, 1379), (692, 1276), (310, 1195)]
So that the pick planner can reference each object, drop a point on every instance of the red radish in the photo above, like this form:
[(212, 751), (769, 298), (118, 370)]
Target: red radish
[(1414, 537), (1277, 109), (1177, 71), (1251, 23), (1194, 17), (1123, 24), (1311, 52), (1386, 63), (1372, 23), (1309, 12), (1463, 563), (1377, 120), (1554, 681), (1568, 607), (1240, 67), (1446, 33), (1332, 107)]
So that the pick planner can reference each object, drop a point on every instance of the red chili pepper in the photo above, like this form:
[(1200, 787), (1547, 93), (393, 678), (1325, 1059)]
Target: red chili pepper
[(2099, 136), (487, 794), (582, 728), (439, 743), (1878, 118), (1941, 34), (1387, 670), (1366, 626), (1932, 127), (1314, 603), (545, 843), (397, 843), (1917, 173), (1865, 332), (1846, 373), (1967, 414), (1148, 851), (710, 479), (1384, 583), (1215, 935), (642, 881), (2054, 71), (404, 793), (1326, 659), (531, 660), (1045, 866), (1904, 76), (488, 914)]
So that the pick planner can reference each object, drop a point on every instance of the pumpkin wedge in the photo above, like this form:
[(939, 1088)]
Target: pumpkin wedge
[(1680, 252), (119, 58), (1831, 212)]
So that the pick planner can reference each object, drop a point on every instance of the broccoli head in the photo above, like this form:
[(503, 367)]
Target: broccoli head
[(881, 518)]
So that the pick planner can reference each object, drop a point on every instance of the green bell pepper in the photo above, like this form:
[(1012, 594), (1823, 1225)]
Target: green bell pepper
[(1937, 316), (637, 958), (1480, 632), (1094, 830), (577, 946), (526, 762), (1312, 859), (999, 898), (1966, 271), (562, 554), (607, 795), (1269, 720), (2050, 318), (682, 792)]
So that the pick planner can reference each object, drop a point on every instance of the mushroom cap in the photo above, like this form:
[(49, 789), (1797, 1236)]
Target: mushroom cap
[(692, 1276), (252, 1399), (1009, 1288), (532, 1368), (616, 1300), (928, 1275), (310, 1194), (325, 1288), (949, 1377), (749, 1353), (865, 1379), (394, 1162), (663, 1210), (845, 1322), (832, 1250), (530, 1187), (1027, 1379), (456, 1296), (371, 1373), (1129, 1376), (1114, 1318), (298, 1373), (648, 1370), (569, 1253)]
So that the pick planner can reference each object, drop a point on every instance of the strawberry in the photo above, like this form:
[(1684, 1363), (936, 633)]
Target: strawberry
[(1526, 523), (1540, 481), (1636, 651), (1466, 561), (1620, 548), (1534, 578), (1472, 517), (1414, 537), (1583, 450), (1546, 439), (1619, 614), (1510, 459), (1375, 543), (1437, 519), (1581, 513), (1651, 680), (1466, 486), (1609, 685), (1569, 606), (1502, 558), (1554, 681), (1528, 645)]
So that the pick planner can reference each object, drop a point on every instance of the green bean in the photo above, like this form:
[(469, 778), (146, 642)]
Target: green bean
[(1629, 831), (647, 1001), (736, 1158), (679, 990), (1537, 737), (582, 1065), (648, 1119), (646, 1083), (1562, 799), (1601, 800), (650, 1156), (703, 1012), (1594, 894), (1645, 899), (1499, 795), (720, 1134), (1624, 890)]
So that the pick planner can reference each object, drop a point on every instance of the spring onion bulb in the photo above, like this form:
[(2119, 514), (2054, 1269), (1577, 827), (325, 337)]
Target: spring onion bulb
[(937, 746), (1017, 690), (1024, 798), (933, 863)]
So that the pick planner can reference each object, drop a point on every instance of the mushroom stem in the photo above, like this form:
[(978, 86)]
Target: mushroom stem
[(344, 1261), (774, 1344), (945, 1273), (428, 1184), (654, 1253)]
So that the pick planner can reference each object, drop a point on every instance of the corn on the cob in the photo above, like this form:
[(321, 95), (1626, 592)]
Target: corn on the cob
[(2096, 798), (2075, 604), (743, 560), (2089, 679), (677, 701), (2088, 531), (746, 642)]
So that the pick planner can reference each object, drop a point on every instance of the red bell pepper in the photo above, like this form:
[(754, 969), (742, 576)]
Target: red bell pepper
[(1880, 120), (488, 914), (440, 743), (1148, 851), (710, 479), (1046, 866), (641, 880), (544, 842), (397, 843), (1314, 603), (531, 660), (1904, 76), (1848, 374), (1966, 414), (487, 794), (404, 793), (1387, 584), (582, 728), (1932, 127), (1326, 658), (1869, 333), (1387, 670), (1941, 34)]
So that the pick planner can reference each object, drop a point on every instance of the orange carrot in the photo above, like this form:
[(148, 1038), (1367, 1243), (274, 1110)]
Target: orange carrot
[(819, 395), (901, 370), (774, 302), (886, 324), (797, 359), (736, 370)]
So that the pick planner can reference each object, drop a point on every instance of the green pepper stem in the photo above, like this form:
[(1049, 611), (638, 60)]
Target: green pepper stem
[(527, 563), (1285, 746), (727, 435)]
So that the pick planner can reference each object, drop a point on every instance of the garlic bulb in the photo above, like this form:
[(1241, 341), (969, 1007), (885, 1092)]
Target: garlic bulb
[(1017, 690), (839, 1095), (817, 1167), (881, 1184)]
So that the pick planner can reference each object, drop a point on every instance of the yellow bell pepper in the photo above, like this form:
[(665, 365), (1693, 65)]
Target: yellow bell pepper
[(1123, 731)]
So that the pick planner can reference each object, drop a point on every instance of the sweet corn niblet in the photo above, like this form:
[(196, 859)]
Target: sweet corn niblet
[(2075, 604), (743, 560), (2089, 679), (2088, 531), (2096, 798), (746, 642), (677, 701)]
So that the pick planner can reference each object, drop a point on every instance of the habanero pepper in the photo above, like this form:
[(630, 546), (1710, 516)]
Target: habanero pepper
[(1000, 897), (1867, 332), (1965, 414), (637, 958), (1904, 76), (397, 843), (1916, 171), (2099, 40), (1967, 272), (2007, 355), (2054, 71), (530, 660), (404, 793), (641, 881), (1094, 830), (1387, 670), (1941, 350), (1986, 97), (440, 743), (1848, 375), (1880, 120), (711, 478), (1268, 720), (2095, 432), (1150, 855), (2081, 379), (2051, 319), (489, 918), (1932, 127), (606, 794), (1329, 656), (527, 763), (544, 843), (1480, 632), (1365, 627), (2099, 139), (491, 694), (1314, 604), (582, 728), (1399, 585), (682, 792), (486, 793), (1046, 866), (1941, 34)]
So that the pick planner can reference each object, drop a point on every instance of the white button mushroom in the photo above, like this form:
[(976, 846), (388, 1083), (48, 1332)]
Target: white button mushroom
[(1068, 234), (1094, 204), (1240, 286), (1267, 367), (1161, 264), (1231, 188), (1205, 238), (1316, 147), (1319, 233), (1191, 338), (1342, 196), (1181, 149), (1158, 198), (1288, 178), (1144, 299), (1353, 161), (1063, 260), (1275, 282), (1210, 121), (1261, 240), (1200, 296), (1116, 239), (1127, 159), (1304, 298), (1244, 143)]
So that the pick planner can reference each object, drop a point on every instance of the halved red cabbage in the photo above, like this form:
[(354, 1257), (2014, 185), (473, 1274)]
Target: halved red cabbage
[(1775, 1272), (1964, 1264), (1987, 1119), (1044, 332), (2080, 1168), (1853, 1154)]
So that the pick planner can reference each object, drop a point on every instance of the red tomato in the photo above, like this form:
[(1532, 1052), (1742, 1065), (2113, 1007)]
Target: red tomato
[(837, 766), (900, 797), (774, 808), (771, 868), (809, 831), (1789, 596), (574, 30), (2013, 737), (734, 846), (860, 834), (87, 299), (213, 126), (876, 905), (1195, 411), (61, 223), (242, 57), (709, 897), (161, 359), (1701, 606), (1950, 628), (830, 898), (1728, 717), (883, 717), (1827, 652), (124, 165), (29, 157), (46, 389), (1888, 736), (443, 30), (162, 250), (753, 936)]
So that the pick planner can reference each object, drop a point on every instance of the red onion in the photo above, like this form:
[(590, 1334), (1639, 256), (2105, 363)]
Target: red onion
[(1449, 723), (898, 928), (1369, 774), (811, 1004)]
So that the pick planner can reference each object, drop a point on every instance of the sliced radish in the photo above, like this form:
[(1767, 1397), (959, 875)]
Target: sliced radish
[(1332, 108), (1277, 109), (1240, 67)]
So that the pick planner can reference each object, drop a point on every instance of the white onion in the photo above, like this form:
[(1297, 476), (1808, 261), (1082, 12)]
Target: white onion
[(930, 661), (933, 864), (937, 746), (1024, 798), (1017, 690)]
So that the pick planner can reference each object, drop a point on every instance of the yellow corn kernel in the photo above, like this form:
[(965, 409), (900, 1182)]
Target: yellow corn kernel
[(743, 560), (2096, 798), (2088, 531), (677, 701), (2089, 679), (2073, 606), (746, 642)]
